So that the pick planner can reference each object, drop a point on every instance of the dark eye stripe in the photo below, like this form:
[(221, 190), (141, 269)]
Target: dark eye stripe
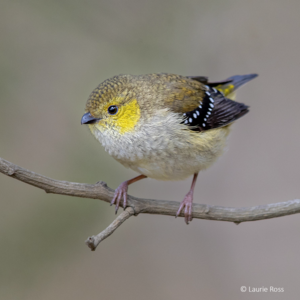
[(112, 110)]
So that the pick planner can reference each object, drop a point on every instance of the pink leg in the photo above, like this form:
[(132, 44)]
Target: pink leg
[(187, 203), (121, 192)]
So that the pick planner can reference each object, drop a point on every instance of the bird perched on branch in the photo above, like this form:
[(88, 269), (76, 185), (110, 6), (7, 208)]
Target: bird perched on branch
[(164, 126)]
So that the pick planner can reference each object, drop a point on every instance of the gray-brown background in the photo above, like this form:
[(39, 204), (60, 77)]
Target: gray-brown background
[(53, 53)]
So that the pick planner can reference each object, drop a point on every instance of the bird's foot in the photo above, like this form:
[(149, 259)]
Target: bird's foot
[(120, 192), (187, 204)]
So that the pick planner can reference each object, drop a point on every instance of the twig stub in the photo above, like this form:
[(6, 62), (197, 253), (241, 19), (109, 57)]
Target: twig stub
[(95, 240)]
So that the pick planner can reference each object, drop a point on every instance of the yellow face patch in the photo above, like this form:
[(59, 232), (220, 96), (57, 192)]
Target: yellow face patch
[(125, 119)]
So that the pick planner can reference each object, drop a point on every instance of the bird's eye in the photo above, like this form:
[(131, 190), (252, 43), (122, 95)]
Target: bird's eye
[(113, 109)]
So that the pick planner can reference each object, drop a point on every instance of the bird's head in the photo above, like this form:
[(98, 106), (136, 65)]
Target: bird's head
[(112, 106)]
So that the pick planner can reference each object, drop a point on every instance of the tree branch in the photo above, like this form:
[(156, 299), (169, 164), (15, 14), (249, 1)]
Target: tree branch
[(94, 241), (149, 206)]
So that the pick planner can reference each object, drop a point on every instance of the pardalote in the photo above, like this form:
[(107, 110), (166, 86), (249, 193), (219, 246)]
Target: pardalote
[(164, 126)]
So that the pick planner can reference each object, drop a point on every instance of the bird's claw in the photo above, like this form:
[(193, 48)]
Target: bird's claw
[(187, 204), (120, 192)]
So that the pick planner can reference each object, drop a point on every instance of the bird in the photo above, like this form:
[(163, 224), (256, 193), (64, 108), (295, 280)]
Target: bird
[(164, 126)]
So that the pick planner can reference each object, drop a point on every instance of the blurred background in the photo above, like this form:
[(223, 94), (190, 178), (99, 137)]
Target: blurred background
[(52, 55)]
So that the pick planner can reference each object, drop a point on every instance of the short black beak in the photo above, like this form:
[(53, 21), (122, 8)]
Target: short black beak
[(88, 119)]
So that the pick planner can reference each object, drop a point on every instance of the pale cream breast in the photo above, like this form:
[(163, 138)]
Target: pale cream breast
[(162, 148)]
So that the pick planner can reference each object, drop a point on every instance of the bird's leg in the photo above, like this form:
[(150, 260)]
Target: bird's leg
[(187, 202), (121, 192)]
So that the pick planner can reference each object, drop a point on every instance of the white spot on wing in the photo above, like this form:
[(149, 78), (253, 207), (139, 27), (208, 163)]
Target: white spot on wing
[(190, 120), (195, 115), (211, 105)]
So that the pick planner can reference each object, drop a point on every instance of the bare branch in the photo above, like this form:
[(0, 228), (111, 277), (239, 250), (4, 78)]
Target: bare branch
[(149, 206), (94, 241)]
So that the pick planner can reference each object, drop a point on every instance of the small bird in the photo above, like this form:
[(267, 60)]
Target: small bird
[(164, 126)]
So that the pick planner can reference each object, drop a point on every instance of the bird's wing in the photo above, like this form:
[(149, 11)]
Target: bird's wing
[(204, 80), (214, 111), (203, 107)]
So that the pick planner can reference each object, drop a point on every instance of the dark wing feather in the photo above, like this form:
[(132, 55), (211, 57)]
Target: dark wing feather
[(214, 111), (204, 80), (226, 111)]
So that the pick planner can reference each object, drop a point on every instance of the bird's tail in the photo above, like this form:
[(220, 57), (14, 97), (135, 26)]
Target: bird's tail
[(229, 86)]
